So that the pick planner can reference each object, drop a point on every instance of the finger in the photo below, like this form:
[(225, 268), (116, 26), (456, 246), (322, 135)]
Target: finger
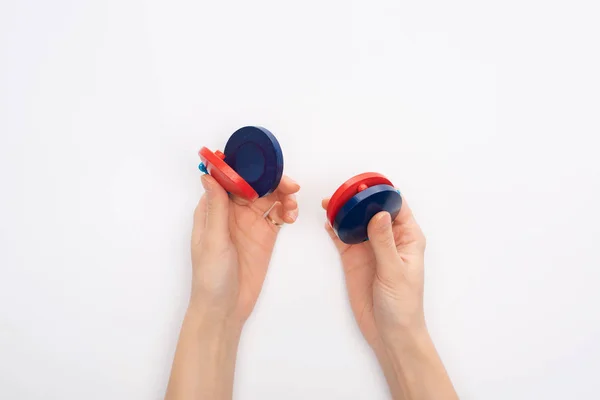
[(412, 233), (280, 215), (290, 216), (217, 207), (405, 215), (381, 237), (264, 205), (287, 186), (325, 203), (339, 245), (289, 202), (274, 214), (199, 220), (240, 201), (289, 208)]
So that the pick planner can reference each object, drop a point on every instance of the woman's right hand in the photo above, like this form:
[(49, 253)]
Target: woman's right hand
[(384, 278)]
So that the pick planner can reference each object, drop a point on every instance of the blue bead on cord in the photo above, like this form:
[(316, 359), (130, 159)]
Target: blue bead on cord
[(203, 169)]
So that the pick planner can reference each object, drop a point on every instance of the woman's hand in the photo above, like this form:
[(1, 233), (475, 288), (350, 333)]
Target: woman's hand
[(384, 277), (232, 242)]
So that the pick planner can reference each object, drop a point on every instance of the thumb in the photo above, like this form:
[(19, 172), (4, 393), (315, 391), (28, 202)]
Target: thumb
[(383, 243), (217, 207)]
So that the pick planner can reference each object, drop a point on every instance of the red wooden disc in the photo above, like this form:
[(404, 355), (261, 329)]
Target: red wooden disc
[(226, 176), (351, 187)]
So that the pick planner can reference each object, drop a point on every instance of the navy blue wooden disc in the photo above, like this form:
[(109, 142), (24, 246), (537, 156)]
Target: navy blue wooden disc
[(254, 153), (352, 220)]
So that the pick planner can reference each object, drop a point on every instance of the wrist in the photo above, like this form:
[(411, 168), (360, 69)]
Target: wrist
[(213, 325), (405, 337), (215, 306), (402, 342)]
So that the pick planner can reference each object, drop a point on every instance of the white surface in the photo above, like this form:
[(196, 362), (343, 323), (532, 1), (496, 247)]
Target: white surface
[(484, 114)]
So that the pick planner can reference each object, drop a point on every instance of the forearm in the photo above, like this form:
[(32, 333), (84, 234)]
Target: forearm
[(413, 368), (388, 370), (204, 362)]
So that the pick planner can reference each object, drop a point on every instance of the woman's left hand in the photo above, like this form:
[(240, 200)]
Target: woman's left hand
[(232, 243)]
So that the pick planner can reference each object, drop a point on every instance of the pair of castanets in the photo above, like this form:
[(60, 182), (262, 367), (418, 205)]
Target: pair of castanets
[(251, 166)]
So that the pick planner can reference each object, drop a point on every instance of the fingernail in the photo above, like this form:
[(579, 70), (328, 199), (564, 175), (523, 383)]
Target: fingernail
[(385, 218)]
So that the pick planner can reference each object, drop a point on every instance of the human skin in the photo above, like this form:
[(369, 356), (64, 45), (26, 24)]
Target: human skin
[(385, 282), (231, 249)]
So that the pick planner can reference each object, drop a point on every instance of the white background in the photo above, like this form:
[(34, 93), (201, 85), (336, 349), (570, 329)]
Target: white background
[(485, 115)]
